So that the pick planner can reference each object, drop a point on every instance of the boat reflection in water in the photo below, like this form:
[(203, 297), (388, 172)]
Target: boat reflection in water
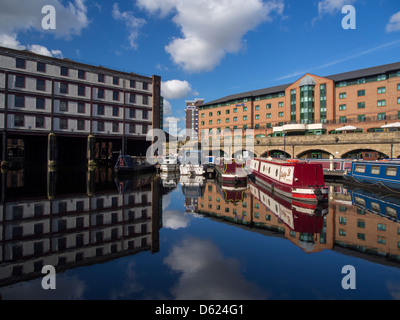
[(192, 189), (67, 230)]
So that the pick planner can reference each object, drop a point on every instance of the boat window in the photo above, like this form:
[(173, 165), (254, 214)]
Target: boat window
[(375, 207), (359, 168), (359, 201), (375, 169), (391, 212), (269, 170), (276, 173), (391, 171)]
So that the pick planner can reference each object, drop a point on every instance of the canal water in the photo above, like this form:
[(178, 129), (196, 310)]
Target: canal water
[(168, 237)]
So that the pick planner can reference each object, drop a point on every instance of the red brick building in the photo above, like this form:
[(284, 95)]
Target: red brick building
[(366, 99)]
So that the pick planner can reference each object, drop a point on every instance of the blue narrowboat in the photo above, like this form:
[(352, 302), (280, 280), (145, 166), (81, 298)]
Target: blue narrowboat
[(383, 174), (387, 206)]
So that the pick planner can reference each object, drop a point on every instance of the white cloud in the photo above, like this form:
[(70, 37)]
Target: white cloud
[(207, 275), (332, 6), (176, 89), (175, 219), (21, 15), (167, 108), (10, 41), (394, 23), (210, 29), (132, 23)]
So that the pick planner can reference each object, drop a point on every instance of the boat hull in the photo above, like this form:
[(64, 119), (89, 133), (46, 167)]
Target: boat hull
[(189, 169), (294, 180), (169, 167), (231, 172)]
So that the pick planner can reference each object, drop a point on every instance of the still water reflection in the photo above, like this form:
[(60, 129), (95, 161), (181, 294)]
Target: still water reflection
[(170, 237)]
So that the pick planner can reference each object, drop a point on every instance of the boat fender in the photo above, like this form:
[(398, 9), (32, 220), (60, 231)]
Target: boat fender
[(318, 194)]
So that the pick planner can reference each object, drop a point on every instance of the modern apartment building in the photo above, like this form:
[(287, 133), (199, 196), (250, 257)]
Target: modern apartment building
[(366, 99), (42, 96), (192, 118)]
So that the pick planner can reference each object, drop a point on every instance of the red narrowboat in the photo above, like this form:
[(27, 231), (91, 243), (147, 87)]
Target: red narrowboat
[(291, 178), (231, 171)]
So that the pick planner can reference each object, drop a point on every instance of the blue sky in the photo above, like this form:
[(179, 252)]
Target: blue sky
[(207, 48)]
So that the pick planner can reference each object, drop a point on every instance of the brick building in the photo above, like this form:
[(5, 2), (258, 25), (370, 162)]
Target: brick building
[(366, 99), (192, 117)]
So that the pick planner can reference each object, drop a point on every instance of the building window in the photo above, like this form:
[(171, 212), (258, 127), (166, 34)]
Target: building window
[(234, 110), (40, 103), (210, 122), (398, 87), (100, 77), (145, 114), (19, 82), (381, 103), (81, 74), (381, 227), (132, 113), (234, 119), (63, 87), (268, 115), (81, 90), (18, 120), (63, 106), (280, 114), (20, 63), (244, 117), (361, 93), (342, 95), (132, 83), (115, 127), (381, 90), (227, 120), (100, 93), (115, 111), (257, 117), (268, 106), (100, 126), (39, 122), (342, 107), (64, 71), (280, 104), (40, 66), (145, 86), (19, 102), (398, 100), (361, 117), (116, 80), (115, 95), (145, 100), (81, 124), (360, 105), (382, 116), (244, 108), (144, 129), (228, 111), (131, 128), (63, 123), (343, 119), (40, 84), (100, 110), (381, 77), (81, 107)]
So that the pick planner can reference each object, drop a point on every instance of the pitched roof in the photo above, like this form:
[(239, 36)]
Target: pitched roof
[(361, 73)]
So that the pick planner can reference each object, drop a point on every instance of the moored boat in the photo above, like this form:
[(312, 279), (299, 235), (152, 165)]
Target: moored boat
[(382, 174), (231, 171), (291, 178), (192, 163), (169, 164), (126, 164)]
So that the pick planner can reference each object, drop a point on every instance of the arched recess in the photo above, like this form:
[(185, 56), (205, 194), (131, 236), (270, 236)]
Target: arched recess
[(314, 154), (276, 154), (356, 154)]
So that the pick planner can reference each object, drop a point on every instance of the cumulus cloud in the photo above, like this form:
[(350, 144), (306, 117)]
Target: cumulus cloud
[(132, 23), (332, 6), (210, 29), (176, 89), (21, 15), (167, 108), (11, 41), (174, 219), (207, 275), (394, 23)]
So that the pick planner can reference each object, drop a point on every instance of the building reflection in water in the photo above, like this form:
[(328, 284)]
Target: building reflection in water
[(352, 222), (111, 219)]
